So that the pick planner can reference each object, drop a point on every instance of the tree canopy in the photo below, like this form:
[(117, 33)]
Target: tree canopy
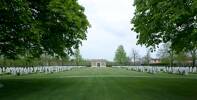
[(120, 55), (162, 21), (77, 57), (34, 27)]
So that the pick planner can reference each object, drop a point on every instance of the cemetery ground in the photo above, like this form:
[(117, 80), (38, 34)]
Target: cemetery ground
[(99, 84)]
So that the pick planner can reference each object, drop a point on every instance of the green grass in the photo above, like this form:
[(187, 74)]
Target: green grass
[(99, 84)]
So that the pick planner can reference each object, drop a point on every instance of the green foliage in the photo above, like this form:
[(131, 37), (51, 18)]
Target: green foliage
[(120, 56), (193, 56), (35, 27), (77, 57), (181, 58), (162, 21), (16, 36)]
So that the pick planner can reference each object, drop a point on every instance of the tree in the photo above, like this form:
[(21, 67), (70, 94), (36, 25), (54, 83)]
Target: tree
[(16, 36), (35, 27), (193, 56), (134, 56), (166, 54), (181, 58), (192, 50), (162, 21), (120, 55), (147, 58), (77, 56)]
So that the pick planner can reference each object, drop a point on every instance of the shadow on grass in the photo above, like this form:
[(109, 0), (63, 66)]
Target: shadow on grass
[(37, 88)]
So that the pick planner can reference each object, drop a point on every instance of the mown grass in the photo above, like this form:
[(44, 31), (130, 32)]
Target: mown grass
[(99, 84)]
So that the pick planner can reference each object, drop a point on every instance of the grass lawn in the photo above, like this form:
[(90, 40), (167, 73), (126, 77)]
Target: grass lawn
[(99, 84)]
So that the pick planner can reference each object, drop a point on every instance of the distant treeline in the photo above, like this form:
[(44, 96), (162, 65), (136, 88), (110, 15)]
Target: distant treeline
[(41, 62)]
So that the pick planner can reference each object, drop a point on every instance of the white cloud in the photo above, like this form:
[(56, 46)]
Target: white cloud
[(110, 20)]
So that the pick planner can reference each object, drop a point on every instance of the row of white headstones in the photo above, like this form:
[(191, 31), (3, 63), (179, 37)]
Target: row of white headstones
[(30, 70), (154, 70)]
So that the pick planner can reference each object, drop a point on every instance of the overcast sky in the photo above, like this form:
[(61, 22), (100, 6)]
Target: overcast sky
[(110, 21)]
